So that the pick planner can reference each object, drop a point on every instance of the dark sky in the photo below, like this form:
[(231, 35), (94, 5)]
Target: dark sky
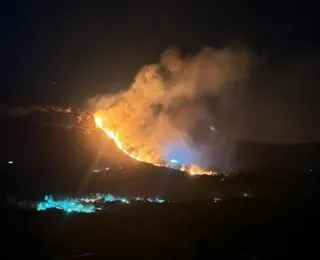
[(93, 48)]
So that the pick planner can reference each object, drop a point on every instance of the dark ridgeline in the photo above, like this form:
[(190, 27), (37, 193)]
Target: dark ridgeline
[(49, 157)]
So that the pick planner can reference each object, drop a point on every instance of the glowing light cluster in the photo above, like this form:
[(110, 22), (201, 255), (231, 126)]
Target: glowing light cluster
[(111, 198), (87, 204), (69, 205)]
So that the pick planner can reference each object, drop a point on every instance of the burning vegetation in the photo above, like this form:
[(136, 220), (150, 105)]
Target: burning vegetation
[(150, 121)]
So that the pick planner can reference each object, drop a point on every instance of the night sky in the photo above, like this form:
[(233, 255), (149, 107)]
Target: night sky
[(63, 52)]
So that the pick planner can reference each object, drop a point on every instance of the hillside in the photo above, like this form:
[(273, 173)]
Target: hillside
[(49, 156)]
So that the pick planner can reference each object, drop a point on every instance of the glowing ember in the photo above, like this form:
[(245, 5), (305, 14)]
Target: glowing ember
[(191, 169)]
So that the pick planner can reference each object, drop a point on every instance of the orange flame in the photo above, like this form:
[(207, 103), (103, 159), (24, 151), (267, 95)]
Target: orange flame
[(192, 169)]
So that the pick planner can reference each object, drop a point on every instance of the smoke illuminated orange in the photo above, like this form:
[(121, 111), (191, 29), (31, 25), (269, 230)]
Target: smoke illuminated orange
[(158, 108), (191, 169)]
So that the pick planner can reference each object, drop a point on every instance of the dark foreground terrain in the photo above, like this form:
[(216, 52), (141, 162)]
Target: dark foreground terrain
[(38, 159), (238, 229)]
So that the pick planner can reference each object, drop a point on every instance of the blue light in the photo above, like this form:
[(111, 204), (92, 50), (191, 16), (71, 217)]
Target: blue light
[(159, 200), (68, 205), (180, 151), (109, 198), (155, 200), (86, 204)]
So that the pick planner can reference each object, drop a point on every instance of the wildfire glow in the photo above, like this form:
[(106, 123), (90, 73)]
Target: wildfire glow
[(191, 169), (150, 121)]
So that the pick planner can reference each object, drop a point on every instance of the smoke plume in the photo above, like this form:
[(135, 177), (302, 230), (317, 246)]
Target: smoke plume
[(153, 117)]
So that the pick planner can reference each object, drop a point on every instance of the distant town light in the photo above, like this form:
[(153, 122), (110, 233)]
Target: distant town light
[(10, 162)]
